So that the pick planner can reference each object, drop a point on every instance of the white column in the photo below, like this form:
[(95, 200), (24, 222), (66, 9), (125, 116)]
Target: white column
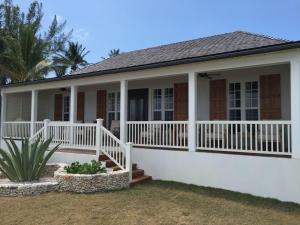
[(192, 77), (3, 113), (98, 137), (295, 107), (123, 109), (73, 104), (34, 103)]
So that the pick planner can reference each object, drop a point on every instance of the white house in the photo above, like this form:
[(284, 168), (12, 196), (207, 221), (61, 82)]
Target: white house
[(220, 111)]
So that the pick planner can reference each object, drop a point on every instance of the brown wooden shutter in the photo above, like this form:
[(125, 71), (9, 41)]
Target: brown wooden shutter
[(217, 99), (58, 107), (181, 101), (101, 105), (80, 106), (270, 97)]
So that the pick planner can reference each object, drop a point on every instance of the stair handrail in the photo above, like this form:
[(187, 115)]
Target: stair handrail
[(36, 134), (106, 140)]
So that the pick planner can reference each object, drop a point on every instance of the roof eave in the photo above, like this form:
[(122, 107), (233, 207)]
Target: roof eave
[(252, 51)]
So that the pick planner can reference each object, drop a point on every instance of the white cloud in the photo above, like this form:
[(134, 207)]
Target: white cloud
[(80, 34)]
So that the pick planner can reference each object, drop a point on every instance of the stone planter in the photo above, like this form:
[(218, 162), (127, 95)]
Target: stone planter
[(55, 178), (45, 184), (88, 183)]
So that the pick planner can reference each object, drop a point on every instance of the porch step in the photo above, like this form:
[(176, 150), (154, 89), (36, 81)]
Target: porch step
[(140, 179), (138, 175)]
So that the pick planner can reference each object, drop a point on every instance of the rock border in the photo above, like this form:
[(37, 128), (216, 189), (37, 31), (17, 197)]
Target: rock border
[(55, 178), (89, 183)]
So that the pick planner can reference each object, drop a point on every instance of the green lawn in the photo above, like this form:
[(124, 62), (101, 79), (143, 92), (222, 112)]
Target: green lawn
[(151, 203)]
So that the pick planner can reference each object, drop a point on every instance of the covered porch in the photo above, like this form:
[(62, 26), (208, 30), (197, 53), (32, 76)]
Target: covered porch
[(241, 110)]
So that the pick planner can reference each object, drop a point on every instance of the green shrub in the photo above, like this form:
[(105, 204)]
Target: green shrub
[(86, 168), (27, 163)]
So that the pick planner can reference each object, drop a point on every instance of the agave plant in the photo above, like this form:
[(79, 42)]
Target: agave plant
[(27, 163)]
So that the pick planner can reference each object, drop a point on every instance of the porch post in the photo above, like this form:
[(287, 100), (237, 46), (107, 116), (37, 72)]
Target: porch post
[(3, 114), (73, 104), (192, 80), (34, 102), (123, 109), (295, 107)]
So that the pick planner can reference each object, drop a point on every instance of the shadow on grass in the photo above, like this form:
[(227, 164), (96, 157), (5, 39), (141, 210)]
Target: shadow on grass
[(246, 199)]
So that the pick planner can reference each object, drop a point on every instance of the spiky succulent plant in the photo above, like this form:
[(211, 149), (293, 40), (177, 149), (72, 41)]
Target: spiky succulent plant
[(26, 163)]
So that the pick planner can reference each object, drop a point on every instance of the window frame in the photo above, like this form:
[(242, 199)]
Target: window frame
[(243, 107), (163, 108)]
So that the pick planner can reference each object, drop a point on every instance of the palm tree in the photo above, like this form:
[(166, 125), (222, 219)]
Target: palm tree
[(73, 57), (114, 52), (23, 58)]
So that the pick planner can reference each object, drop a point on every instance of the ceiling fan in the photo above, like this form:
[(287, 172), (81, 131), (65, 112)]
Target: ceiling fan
[(208, 76)]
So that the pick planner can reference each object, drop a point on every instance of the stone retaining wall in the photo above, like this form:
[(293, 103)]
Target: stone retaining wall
[(88, 183), (62, 181)]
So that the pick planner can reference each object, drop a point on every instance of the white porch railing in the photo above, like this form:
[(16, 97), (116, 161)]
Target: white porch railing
[(16, 129), (77, 135), (168, 134), (20, 129), (260, 137)]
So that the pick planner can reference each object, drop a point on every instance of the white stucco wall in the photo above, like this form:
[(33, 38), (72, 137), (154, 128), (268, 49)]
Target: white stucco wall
[(261, 176)]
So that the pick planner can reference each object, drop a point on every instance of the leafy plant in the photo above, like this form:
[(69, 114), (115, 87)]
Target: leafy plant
[(27, 163), (86, 168)]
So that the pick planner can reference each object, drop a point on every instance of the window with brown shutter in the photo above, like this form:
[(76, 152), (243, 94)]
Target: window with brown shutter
[(270, 97), (217, 99), (181, 101), (58, 107), (80, 106), (101, 105)]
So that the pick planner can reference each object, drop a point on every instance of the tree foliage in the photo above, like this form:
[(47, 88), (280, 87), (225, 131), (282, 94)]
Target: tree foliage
[(114, 52), (73, 58), (26, 53)]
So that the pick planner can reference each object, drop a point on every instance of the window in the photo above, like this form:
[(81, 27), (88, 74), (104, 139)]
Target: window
[(163, 104), (251, 100), (113, 107), (66, 108), (235, 101)]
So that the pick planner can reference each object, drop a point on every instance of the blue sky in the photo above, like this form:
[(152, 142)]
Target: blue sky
[(101, 25)]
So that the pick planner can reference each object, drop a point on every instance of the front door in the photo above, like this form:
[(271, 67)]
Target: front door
[(138, 105)]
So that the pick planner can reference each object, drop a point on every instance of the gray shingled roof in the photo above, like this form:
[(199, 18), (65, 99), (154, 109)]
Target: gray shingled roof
[(206, 46)]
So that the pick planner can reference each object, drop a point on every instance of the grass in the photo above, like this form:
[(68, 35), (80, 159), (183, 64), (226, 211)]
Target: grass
[(155, 202)]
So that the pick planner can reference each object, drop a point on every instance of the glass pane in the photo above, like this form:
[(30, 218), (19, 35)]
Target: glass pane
[(111, 116), (157, 115), (235, 114), (157, 101), (168, 115), (118, 101), (169, 98), (251, 114)]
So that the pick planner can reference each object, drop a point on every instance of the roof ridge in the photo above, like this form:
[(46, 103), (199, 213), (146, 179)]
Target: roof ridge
[(263, 35)]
